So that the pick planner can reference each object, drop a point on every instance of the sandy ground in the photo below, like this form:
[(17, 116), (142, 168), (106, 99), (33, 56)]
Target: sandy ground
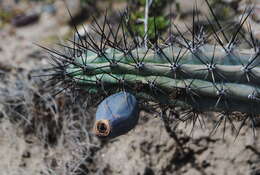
[(146, 150)]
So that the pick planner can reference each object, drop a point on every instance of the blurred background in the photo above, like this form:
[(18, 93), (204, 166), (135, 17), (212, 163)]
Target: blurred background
[(42, 135), (24, 22)]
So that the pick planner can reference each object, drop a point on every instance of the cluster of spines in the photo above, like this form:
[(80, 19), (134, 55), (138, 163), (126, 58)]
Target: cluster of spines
[(180, 72)]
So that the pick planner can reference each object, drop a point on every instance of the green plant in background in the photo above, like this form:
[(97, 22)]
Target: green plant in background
[(160, 22), (156, 17)]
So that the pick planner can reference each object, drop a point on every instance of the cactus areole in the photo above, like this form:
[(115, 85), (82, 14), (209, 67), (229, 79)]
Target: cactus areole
[(116, 115)]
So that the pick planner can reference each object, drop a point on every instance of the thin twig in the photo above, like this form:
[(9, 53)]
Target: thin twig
[(146, 16)]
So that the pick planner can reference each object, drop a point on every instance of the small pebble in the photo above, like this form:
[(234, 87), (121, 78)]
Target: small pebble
[(26, 154)]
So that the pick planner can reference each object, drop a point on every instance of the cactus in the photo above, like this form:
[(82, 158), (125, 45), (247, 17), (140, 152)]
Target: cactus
[(195, 74)]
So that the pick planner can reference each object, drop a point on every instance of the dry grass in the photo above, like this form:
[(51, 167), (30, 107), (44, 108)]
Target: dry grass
[(61, 124)]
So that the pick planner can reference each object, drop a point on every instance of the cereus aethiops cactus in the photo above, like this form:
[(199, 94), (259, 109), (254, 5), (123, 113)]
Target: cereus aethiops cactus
[(208, 72)]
